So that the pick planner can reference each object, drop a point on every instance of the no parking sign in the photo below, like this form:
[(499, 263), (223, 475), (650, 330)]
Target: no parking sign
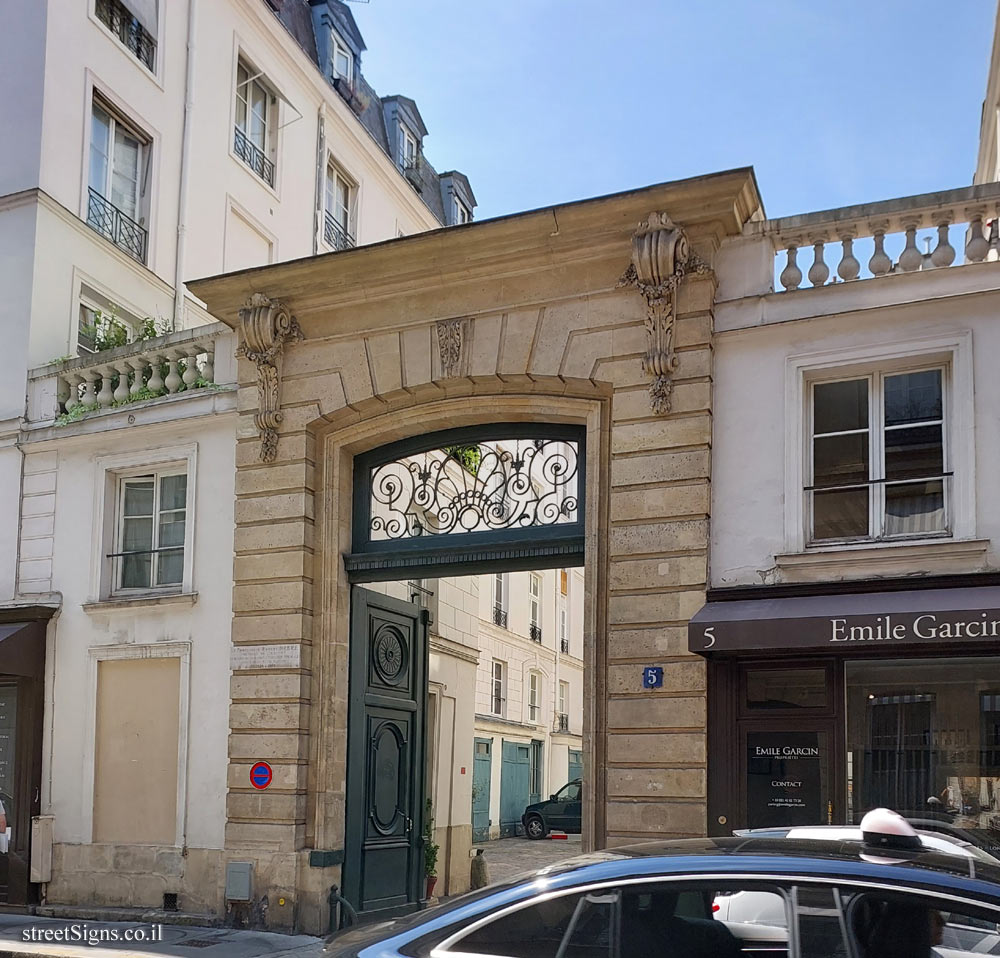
[(260, 775)]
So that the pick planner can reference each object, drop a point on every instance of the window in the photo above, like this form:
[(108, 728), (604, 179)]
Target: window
[(116, 181), (563, 582), (563, 697), (500, 600), (407, 149), (150, 540), (340, 218), (534, 607), (134, 26), (499, 687), (459, 212), (343, 61), (879, 466), (534, 696), (563, 630), (254, 122)]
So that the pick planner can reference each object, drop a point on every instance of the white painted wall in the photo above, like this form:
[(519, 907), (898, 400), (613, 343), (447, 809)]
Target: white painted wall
[(755, 433)]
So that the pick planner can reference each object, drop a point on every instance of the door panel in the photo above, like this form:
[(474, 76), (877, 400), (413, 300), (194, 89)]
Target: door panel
[(383, 868), (515, 772), (482, 772)]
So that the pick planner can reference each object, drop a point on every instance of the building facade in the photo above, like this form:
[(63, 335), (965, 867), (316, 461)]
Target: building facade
[(157, 141)]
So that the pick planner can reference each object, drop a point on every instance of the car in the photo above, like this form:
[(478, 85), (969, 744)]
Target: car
[(562, 812), (823, 898)]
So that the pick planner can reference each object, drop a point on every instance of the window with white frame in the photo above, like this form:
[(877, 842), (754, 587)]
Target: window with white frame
[(343, 61), (500, 600), (499, 691), (459, 212), (340, 219), (878, 457), (407, 148), (253, 139), (116, 200), (151, 528), (534, 696), (563, 697), (134, 24), (535, 607), (563, 629)]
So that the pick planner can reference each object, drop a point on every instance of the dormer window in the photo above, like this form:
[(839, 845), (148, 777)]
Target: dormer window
[(343, 61), (407, 149), (459, 211)]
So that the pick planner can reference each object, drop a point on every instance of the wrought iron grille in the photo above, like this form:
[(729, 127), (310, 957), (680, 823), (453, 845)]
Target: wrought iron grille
[(562, 722), (535, 632), (500, 617), (120, 21), (104, 217), (253, 156), (483, 487), (564, 645), (334, 234)]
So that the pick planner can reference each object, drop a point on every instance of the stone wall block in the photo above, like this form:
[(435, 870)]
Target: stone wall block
[(660, 467), (583, 350), (484, 347), (415, 345), (656, 783), (272, 596), (280, 565), (693, 363), (656, 711), (385, 362), (269, 478), (687, 500), (693, 331), (254, 835), (658, 573), (686, 398), (283, 627), (252, 686), (325, 390), (269, 805), (256, 747), (686, 676), (294, 532), (657, 748), (277, 716), (662, 434), (657, 537), (517, 338), (660, 818), (644, 644), (654, 607)]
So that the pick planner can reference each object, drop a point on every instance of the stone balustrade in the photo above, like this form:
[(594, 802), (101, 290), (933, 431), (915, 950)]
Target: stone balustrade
[(180, 362), (928, 231)]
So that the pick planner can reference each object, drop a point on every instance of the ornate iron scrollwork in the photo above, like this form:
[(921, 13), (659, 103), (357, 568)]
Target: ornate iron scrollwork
[(503, 484), (661, 258)]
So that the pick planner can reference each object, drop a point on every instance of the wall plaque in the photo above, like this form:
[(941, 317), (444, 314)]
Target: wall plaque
[(785, 778), (265, 657)]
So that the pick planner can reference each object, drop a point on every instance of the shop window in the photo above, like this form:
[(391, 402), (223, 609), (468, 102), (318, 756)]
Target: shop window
[(786, 688), (878, 465), (921, 737)]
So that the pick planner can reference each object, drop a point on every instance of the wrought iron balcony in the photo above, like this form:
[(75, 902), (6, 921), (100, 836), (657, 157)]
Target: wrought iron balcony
[(334, 234), (561, 723), (253, 156), (535, 632), (121, 22), (104, 217), (564, 645), (500, 617)]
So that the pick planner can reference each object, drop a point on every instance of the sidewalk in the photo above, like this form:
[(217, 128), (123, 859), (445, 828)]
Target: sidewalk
[(17, 932)]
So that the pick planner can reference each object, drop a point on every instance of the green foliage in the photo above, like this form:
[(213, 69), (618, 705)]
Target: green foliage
[(107, 331), (468, 456), (60, 359), (430, 846), (76, 413), (151, 328)]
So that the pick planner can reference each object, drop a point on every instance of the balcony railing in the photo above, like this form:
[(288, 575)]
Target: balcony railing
[(535, 632), (500, 617), (564, 645), (561, 723), (105, 218), (334, 235), (253, 156), (955, 228), (120, 21), (181, 362)]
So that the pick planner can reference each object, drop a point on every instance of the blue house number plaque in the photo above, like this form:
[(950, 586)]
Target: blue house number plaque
[(652, 677)]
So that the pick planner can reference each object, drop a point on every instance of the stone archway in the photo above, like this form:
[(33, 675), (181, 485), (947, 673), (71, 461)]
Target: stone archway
[(572, 314)]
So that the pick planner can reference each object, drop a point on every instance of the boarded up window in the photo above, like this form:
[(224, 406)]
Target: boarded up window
[(135, 773)]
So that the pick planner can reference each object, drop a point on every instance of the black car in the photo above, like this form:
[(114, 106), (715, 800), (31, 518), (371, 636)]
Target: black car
[(803, 899), (561, 813)]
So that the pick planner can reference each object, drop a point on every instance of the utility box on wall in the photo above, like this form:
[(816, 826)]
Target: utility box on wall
[(239, 881)]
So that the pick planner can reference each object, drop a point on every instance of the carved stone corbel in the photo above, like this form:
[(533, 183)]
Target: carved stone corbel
[(661, 258), (451, 338), (265, 327)]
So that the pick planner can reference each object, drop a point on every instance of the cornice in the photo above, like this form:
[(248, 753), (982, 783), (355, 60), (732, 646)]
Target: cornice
[(708, 207)]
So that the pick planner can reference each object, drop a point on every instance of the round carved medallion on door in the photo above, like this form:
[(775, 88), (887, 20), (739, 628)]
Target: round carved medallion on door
[(389, 655)]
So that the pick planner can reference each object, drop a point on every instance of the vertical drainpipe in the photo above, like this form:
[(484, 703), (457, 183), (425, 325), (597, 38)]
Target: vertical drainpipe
[(320, 170), (185, 166)]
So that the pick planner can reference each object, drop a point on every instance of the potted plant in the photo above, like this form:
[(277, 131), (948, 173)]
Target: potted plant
[(430, 849)]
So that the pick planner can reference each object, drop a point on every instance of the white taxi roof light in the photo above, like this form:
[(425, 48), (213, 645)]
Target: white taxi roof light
[(885, 828)]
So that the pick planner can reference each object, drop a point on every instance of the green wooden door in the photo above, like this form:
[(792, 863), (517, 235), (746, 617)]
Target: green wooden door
[(515, 771), (482, 772), (383, 863)]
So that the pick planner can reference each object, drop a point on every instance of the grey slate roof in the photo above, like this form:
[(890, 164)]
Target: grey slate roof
[(297, 18)]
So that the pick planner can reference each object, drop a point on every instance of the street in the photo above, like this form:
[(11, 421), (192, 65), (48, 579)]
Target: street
[(509, 857)]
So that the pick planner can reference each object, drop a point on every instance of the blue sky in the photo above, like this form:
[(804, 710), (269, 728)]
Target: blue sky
[(546, 101)]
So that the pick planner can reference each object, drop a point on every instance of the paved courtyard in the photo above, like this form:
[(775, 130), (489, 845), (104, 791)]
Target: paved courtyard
[(512, 856)]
